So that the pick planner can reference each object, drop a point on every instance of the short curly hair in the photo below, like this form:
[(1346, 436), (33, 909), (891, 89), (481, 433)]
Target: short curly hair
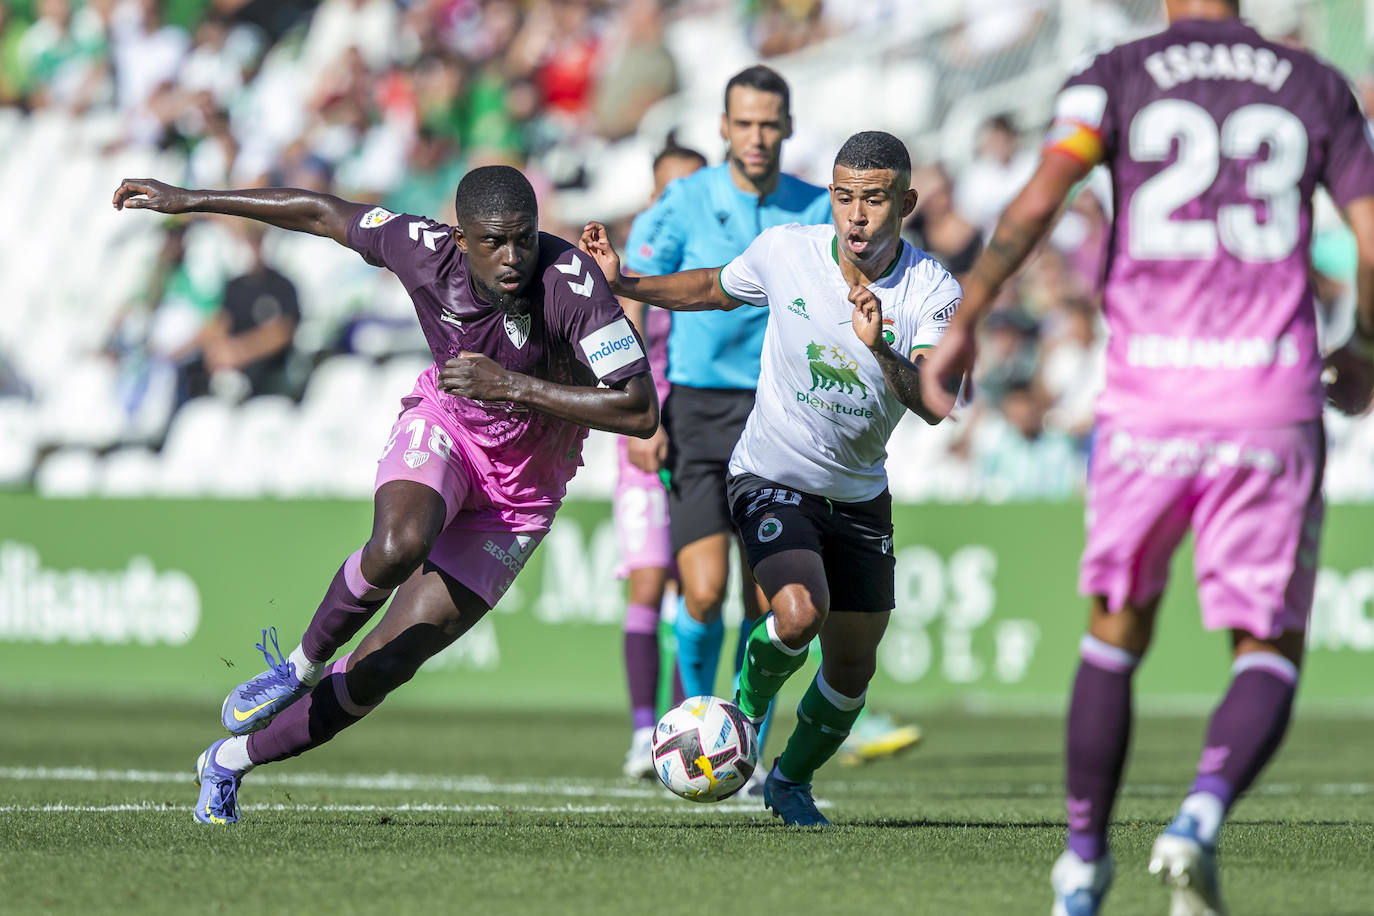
[(874, 149), (493, 189)]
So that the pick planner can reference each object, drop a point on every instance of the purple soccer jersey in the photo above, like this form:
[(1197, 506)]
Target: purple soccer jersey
[(1215, 139), (575, 334), (657, 323)]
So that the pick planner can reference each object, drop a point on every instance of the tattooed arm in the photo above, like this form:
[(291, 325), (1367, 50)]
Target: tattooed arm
[(902, 376), (1024, 223)]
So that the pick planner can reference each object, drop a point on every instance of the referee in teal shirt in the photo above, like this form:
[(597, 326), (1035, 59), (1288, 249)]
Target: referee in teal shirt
[(706, 220)]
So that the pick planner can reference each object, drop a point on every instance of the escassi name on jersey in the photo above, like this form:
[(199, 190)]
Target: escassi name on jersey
[(1199, 61)]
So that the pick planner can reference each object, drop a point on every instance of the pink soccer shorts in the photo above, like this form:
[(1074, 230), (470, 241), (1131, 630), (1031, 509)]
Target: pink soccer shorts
[(640, 507), (484, 544), (1252, 497)]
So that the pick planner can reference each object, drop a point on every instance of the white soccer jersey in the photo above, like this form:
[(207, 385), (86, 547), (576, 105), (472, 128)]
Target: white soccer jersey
[(823, 413)]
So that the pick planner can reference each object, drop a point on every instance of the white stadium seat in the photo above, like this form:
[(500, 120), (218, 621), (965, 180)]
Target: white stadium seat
[(130, 472), (18, 440), (339, 383), (196, 443), (69, 472), (81, 405)]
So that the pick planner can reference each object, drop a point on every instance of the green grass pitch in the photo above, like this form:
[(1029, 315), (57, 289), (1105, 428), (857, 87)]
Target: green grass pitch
[(420, 810)]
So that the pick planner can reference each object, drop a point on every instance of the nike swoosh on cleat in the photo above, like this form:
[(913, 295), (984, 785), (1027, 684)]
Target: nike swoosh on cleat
[(244, 716)]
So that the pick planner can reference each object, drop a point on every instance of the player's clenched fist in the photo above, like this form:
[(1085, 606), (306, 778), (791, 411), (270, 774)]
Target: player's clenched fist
[(596, 242), (472, 375), (867, 317), (147, 194), (944, 369), (1352, 387)]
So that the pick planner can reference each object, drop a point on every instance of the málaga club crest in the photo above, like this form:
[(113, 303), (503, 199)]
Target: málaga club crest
[(518, 329)]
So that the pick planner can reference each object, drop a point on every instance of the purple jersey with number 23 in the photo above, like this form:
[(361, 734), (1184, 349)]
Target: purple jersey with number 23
[(1215, 139)]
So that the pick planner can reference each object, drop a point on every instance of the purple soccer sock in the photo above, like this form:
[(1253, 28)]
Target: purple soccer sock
[(1099, 732), (349, 603), (642, 663), (310, 721), (1247, 727)]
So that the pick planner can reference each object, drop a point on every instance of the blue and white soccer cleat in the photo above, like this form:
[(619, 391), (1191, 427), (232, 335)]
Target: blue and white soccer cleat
[(1189, 867), (1079, 886), (792, 802), (219, 789), (253, 704)]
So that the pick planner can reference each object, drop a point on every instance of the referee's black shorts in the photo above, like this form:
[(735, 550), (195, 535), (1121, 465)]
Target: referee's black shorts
[(703, 425), (854, 540)]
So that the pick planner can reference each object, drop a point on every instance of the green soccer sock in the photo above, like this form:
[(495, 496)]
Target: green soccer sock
[(824, 718), (768, 663)]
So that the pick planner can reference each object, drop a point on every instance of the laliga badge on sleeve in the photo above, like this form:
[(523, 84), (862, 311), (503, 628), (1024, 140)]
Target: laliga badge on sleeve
[(375, 217)]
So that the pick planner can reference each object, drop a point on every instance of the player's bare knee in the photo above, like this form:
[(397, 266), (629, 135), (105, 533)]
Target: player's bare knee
[(798, 615), (1130, 628), (647, 586), (393, 554), (704, 599), (1289, 644), (851, 677)]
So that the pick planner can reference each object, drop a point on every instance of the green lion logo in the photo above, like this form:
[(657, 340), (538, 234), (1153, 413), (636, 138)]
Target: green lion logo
[(828, 376)]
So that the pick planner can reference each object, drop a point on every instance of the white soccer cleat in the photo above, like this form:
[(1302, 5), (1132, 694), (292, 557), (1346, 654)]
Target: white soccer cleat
[(639, 759), (1189, 868), (1079, 886), (752, 793)]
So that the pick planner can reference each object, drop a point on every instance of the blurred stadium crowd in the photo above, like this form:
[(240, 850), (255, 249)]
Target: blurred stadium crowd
[(192, 357)]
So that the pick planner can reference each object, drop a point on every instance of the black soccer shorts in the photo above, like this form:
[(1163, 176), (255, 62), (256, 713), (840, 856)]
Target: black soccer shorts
[(854, 540), (703, 425)]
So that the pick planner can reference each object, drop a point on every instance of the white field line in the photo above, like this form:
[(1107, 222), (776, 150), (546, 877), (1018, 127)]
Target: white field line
[(390, 809), (408, 782), (482, 785), (932, 789), (475, 785)]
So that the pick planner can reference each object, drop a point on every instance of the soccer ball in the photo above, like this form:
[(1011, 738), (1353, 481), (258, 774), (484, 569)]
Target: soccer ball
[(705, 749)]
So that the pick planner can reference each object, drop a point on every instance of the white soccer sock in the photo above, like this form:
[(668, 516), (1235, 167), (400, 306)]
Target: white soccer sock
[(770, 625), (1208, 811), (233, 754), (307, 672)]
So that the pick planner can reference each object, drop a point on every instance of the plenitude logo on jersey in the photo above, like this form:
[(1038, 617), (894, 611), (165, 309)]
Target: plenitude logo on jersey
[(611, 347), (840, 375)]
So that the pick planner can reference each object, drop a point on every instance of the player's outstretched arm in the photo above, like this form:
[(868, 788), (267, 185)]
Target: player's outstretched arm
[(902, 376), (629, 408), (1353, 386), (288, 208), (685, 291), (1021, 227)]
